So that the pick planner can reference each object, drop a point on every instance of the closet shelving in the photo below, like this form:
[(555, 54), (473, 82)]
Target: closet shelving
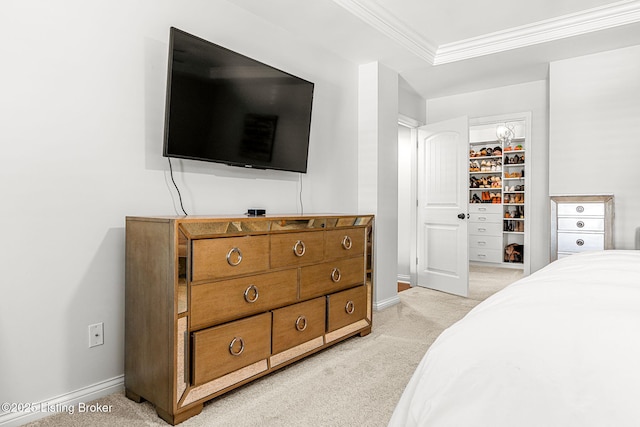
[(498, 191)]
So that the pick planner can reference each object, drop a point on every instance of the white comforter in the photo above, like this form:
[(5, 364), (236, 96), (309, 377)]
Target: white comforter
[(558, 348)]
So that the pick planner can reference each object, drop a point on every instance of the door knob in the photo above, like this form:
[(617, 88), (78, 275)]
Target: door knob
[(461, 215)]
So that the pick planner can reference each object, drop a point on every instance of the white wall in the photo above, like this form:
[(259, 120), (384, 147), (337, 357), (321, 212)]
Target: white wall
[(81, 123), (595, 132), (378, 172), (505, 100), (411, 106), (412, 114), (406, 201)]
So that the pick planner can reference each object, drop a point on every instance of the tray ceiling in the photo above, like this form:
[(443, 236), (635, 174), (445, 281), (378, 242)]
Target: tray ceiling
[(443, 47)]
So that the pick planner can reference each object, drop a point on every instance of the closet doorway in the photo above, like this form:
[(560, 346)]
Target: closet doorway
[(483, 279)]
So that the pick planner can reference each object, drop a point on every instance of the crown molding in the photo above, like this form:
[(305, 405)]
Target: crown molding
[(570, 25), (383, 21), (575, 24)]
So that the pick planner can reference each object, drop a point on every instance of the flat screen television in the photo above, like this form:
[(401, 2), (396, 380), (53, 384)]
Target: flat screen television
[(224, 107)]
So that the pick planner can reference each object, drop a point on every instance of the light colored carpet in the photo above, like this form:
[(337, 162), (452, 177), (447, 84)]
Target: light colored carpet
[(355, 383), (483, 281)]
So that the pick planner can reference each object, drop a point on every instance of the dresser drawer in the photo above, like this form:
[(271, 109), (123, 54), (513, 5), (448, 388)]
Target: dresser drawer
[(581, 209), (329, 277), (299, 323), (580, 224), (485, 255), (293, 249), (229, 256), (485, 217), (485, 242), (219, 302), (485, 208), (485, 229), (344, 243), (229, 347), (579, 242), (345, 308)]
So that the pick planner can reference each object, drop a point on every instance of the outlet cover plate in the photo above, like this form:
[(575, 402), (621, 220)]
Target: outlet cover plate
[(96, 334)]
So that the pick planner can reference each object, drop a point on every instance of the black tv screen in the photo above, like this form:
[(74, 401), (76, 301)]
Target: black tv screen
[(225, 107)]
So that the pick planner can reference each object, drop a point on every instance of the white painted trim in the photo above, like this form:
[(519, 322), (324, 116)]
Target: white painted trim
[(84, 395), (571, 25), (383, 21), (574, 24), (404, 278), (380, 305), (408, 122)]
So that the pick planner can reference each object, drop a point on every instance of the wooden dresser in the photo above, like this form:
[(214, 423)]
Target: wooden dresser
[(212, 303)]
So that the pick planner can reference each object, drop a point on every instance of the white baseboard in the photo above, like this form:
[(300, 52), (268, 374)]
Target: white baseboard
[(61, 403), (404, 278), (379, 305)]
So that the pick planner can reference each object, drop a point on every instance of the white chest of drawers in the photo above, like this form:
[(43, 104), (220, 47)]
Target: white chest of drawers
[(581, 223), (485, 232)]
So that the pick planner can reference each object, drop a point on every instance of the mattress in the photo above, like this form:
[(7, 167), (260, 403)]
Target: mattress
[(560, 347)]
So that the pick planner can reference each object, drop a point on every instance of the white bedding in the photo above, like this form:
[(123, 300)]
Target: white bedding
[(558, 348)]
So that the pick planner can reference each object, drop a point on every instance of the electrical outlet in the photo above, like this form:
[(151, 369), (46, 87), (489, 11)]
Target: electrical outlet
[(96, 334)]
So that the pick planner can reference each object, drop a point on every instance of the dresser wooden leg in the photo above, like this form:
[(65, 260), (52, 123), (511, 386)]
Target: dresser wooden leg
[(133, 396), (174, 419), (365, 332)]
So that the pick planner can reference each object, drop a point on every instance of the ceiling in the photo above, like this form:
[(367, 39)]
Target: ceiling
[(444, 47)]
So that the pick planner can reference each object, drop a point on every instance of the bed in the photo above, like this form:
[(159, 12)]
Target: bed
[(560, 347)]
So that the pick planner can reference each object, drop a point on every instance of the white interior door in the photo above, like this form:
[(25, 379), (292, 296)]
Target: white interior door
[(443, 152)]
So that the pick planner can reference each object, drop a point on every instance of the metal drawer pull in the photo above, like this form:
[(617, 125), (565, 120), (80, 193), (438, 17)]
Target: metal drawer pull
[(335, 275), (346, 242), (482, 218), (233, 343), (482, 229), (247, 292), (301, 323), (481, 243), (239, 256), (580, 224), (350, 307), (580, 209), (299, 248), (579, 242)]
